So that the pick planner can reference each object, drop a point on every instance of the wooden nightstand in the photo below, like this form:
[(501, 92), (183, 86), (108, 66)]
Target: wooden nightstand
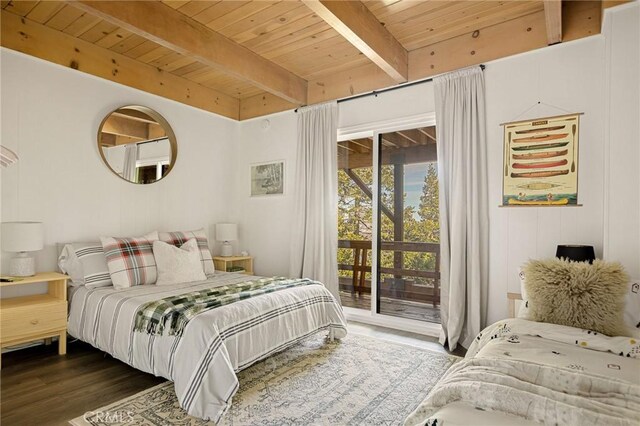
[(224, 263), (514, 300), (40, 316)]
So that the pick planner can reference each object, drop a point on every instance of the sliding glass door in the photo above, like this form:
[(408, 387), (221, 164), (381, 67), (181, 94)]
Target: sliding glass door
[(408, 250), (388, 224), (355, 221)]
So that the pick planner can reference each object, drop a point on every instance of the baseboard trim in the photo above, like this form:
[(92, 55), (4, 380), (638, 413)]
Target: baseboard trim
[(418, 327)]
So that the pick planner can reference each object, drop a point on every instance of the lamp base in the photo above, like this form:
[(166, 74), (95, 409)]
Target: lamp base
[(227, 249), (22, 265)]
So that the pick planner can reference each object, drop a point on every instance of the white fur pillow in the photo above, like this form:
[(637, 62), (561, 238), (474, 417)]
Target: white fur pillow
[(178, 264), (577, 294)]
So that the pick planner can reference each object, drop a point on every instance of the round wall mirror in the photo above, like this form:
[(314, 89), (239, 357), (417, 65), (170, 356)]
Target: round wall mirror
[(137, 144)]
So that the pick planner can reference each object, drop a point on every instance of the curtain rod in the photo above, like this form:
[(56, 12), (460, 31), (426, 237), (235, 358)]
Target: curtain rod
[(388, 89)]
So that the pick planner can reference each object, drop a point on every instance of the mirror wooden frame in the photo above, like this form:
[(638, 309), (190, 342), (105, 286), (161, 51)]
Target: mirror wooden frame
[(160, 120)]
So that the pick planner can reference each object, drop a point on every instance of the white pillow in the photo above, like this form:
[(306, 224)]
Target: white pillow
[(178, 264), (86, 264), (632, 308), (178, 238), (523, 312)]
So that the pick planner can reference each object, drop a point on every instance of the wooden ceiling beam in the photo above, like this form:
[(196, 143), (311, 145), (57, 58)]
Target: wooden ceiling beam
[(118, 125), (360, 27), (345, 146), (354, 146), (553, 20), (405, 134), (409, 155), (167, 27), (37, 40), (365, 147), (111, 140), (580, 19), (505, 39), (395, 139), (427, 131), (478, 46), (107, 139), (263, 104), (418, 135), (132, 114)]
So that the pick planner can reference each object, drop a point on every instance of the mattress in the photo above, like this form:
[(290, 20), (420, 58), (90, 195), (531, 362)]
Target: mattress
[(215, 344), (520, 372)]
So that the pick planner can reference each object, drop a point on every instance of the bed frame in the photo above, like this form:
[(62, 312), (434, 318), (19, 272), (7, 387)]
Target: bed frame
[(514, 300)]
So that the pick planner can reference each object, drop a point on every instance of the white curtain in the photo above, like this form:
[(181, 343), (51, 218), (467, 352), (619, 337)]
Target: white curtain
[(314, 241), (464, 218), (130, 158)]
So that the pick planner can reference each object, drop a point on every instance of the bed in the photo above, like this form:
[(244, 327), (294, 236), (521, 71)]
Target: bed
[(202, 360), (520, 372)]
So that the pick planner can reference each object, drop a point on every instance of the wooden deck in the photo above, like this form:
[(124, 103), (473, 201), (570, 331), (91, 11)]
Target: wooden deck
[(394, 307)]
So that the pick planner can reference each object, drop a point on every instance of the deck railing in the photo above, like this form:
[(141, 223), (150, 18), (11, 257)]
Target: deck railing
[(400, 286)]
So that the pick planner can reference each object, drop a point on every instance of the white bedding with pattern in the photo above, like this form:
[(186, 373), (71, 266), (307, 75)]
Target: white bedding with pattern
[(521, 372), (215, 344)]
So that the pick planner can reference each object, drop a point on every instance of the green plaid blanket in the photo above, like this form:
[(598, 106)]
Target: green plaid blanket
[(175, 312)]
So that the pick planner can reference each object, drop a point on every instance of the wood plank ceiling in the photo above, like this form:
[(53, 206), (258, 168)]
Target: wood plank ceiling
[(244, 59), (406, 146)]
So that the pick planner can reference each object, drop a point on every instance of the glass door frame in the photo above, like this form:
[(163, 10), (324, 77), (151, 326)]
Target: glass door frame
[(374, 130)]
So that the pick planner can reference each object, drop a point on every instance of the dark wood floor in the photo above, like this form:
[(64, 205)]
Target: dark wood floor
[(38, 387)]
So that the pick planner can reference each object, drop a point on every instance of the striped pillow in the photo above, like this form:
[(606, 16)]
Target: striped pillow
[(86, 264), (178, 238), (130, 260)]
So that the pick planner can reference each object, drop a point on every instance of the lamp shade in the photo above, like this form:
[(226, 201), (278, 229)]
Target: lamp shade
[(226, 231), (22, 236), (576, 253)]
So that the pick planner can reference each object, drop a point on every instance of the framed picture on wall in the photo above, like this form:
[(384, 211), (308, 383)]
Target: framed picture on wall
[(541, 162), (267, 178)]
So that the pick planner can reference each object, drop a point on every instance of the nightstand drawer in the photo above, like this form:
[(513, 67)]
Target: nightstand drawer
[(20, 322)]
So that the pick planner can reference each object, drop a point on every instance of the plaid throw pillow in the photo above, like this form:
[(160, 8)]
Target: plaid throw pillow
[(130, 260), (178, 238)]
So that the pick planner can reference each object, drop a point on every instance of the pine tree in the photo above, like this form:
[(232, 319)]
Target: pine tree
[(429, 208), (355, 217)]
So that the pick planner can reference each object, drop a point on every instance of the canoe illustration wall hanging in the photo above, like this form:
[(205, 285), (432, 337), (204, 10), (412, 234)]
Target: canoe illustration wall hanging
[(541, 162)]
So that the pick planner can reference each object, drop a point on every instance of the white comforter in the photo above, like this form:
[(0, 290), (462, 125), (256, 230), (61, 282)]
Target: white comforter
[(519, 371), (214, 345)]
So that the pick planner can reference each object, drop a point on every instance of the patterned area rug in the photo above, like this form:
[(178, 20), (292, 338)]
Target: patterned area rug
[(358, 381)]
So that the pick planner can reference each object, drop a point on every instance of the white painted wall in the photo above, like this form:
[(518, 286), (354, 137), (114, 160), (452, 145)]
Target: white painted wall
[(50, 118), (264, 222), (569, 76), (622, 140), (393, 105)]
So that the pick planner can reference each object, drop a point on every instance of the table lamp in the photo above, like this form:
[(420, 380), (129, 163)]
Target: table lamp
[(226, 232), (576, 253), (21, 238)]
